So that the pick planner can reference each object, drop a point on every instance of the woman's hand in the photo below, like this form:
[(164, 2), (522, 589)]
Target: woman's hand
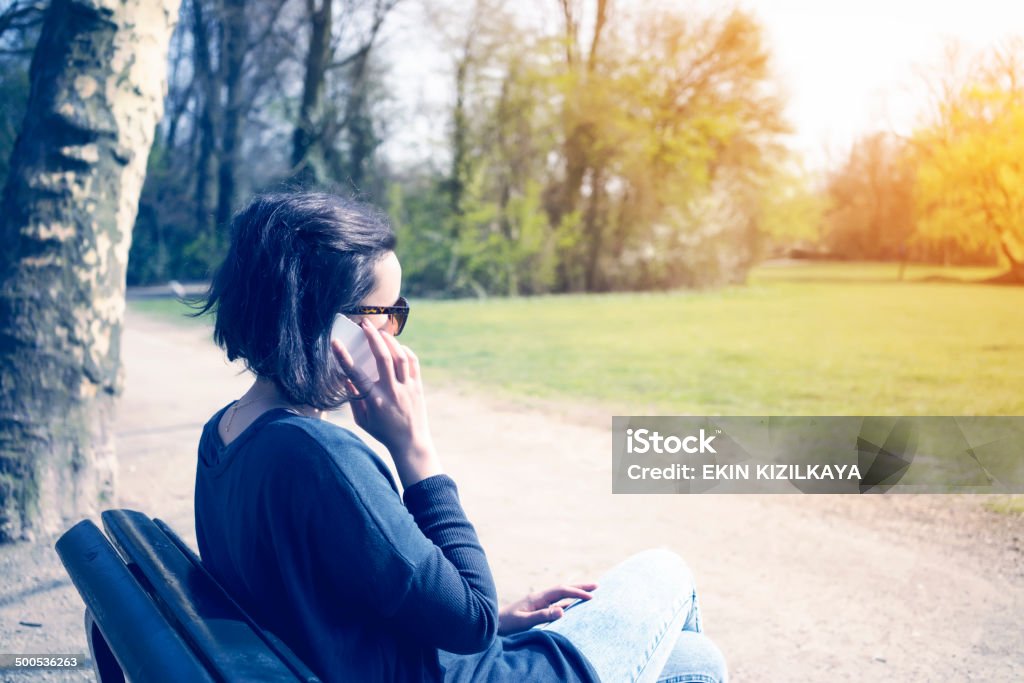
[(394, 410), (540, 607)]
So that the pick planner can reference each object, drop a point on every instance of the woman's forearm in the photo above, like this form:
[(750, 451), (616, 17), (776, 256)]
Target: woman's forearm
[(417, 462)]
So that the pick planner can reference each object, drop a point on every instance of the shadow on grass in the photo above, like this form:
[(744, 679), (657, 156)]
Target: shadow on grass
[(1011, 278), (1008, 278)]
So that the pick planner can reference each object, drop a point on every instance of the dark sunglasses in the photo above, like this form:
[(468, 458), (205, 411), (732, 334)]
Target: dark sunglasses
[(397, 314)]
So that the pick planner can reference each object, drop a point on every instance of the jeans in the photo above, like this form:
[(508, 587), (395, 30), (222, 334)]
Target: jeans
[(643, 624)]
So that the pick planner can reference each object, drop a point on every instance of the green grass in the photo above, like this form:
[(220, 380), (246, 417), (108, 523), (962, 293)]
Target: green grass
[(1007, 505), (885, 273), (168, 308), (818, 339)]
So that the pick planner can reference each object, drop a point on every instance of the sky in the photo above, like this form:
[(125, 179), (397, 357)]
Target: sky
[(854, 67), (848, 66)]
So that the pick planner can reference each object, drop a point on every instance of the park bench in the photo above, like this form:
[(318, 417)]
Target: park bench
[(154, 613)]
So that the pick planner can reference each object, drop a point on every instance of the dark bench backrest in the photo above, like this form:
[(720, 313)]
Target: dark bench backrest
[(182, 616)]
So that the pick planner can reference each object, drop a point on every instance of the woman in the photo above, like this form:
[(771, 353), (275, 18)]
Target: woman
[(304, 524)]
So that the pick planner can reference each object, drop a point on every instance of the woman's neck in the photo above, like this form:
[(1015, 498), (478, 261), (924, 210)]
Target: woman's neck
[(264, 392)]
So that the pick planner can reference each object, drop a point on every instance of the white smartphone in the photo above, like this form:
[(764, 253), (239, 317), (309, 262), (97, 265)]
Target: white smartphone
[(354, 340)]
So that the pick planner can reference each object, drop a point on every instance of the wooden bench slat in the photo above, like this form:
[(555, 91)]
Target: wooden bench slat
[(122, 609), (209, 621), (299, 667)]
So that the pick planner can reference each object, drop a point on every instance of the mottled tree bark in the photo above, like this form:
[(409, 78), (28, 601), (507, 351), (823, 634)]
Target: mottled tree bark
[(98, 78)]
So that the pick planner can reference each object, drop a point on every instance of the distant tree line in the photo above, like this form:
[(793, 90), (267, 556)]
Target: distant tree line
[(953, 191), (620, 151), (260, 92), (604, 147)]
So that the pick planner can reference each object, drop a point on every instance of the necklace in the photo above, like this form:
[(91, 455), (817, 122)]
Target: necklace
[(239, 405), (234, 411)]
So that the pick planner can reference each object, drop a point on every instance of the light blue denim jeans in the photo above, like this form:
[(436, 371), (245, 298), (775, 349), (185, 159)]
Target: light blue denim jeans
[(643, 624)]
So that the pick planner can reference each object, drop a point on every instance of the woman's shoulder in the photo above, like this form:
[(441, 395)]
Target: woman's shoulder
[(321, 431), (320, 443)]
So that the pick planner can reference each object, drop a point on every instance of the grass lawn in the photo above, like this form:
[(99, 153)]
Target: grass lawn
[(169, 308), (1007, 505), (801, 339)]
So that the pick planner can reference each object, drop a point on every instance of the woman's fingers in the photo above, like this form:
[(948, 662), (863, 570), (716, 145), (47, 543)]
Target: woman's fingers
[(381, 352), (580, 591), (344, 357), (393, 359), (540, 616), (414, 362), (356, 376), (398, 356)]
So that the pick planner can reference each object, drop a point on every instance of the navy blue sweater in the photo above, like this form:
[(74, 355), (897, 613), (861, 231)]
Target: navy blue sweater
[(304, 525)]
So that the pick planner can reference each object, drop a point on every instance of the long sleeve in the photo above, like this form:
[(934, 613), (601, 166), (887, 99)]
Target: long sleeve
[(467, 609), (418, 566)]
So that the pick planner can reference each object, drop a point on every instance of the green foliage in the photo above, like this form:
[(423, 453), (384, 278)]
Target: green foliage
[(643, 156), (166, 242), (508, 250), (791, 209), (644, 163), (675, 130), (423, 224), (484, 250)]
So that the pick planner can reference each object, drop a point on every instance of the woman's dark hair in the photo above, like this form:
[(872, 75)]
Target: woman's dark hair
[(295, 260)]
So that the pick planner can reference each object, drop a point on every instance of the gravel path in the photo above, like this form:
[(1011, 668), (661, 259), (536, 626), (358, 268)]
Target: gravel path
[(795, 588)]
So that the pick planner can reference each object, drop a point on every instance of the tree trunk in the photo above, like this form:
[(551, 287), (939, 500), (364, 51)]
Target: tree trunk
[(235, 40), (304, 137), (98, 77), (460, 136), (1015, 274), (207, 122), (593, 229)]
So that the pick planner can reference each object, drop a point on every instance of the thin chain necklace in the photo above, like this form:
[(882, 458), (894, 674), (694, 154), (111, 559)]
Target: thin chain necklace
[(238, 406)]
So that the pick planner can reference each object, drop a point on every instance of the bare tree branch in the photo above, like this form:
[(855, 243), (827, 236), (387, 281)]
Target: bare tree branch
[(21, 15), (381, 10)]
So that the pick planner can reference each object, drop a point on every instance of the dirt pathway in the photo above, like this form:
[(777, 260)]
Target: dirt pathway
[(794, 588)]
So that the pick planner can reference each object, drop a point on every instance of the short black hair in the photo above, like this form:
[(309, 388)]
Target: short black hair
[(295, 260)]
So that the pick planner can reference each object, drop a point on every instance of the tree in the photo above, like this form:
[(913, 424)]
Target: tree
[(228, 60), (660, 112), (343, 53), (624, 150), (222, 49), (97, 81), (970, 174), (871, 201)]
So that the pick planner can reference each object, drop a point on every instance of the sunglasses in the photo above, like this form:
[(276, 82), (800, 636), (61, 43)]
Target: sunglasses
[(397, 314)]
